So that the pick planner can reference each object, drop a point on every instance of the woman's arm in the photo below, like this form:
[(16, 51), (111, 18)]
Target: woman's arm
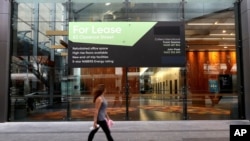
[(98, 103), (107, 116)]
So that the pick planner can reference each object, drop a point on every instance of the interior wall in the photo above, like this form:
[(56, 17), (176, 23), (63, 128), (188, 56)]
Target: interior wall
[(113, 78), (204, 65), (90, 77), (163, 77)]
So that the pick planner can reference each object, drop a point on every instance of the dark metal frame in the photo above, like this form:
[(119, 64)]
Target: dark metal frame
[(239, 54)]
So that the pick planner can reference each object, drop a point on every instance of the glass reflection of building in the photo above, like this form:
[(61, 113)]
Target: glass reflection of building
[(44, 87)]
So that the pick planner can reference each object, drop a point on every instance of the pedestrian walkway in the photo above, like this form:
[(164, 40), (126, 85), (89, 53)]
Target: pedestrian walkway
[(190, 130)]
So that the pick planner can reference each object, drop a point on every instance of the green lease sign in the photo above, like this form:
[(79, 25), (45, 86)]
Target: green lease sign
[(108, 33)]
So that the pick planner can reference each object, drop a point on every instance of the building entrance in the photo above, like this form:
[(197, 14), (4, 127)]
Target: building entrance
[(47, 85)]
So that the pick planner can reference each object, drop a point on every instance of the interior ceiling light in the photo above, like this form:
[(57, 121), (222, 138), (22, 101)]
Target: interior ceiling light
[(226, 45), (107, 4), (190, 39), (203, 38), (109, 12), (216, 23), (224, 31), (228, 38), (200, 24), (225, 24), (231, 34)]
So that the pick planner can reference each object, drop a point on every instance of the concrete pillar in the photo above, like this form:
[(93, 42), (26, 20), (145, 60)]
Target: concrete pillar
[(245, 23), (4, 57)]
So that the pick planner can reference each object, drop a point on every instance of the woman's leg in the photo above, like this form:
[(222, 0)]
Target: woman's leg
[(92, 134), (106, 130)]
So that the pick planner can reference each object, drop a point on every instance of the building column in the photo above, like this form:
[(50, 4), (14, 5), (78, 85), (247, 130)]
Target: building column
[(245, 24), (4, 57)]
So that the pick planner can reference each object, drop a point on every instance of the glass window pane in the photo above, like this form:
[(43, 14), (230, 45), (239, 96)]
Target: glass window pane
[(43, 87)]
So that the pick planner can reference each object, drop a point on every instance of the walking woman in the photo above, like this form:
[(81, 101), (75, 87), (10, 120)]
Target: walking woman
[(100, 114)]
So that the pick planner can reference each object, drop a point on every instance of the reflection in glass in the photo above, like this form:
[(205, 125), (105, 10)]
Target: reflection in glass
[(44, 88)]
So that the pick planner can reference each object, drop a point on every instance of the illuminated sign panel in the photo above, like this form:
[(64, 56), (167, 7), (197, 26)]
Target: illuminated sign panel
[(126, 44)]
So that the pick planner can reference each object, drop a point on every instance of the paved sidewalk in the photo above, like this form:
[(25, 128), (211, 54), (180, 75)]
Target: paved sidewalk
[(199, 130)]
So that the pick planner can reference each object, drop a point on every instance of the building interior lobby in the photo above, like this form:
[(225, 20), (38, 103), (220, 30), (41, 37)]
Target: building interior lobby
[(44, 88)]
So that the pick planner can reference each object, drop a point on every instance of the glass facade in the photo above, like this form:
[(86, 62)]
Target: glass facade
[(44, 87)]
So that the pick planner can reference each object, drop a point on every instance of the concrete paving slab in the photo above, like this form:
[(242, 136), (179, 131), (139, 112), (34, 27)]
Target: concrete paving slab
[(212, 130)]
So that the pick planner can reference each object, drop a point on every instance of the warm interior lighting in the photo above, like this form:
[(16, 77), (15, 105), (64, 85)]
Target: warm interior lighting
[(200, 24), (142, 70), (231, 34), (225, 24), (216, 23), (226, 45), (203, 38), (228, 38), (190, 39)]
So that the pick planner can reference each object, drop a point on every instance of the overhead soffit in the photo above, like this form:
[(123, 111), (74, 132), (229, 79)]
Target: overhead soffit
[(215, 31)]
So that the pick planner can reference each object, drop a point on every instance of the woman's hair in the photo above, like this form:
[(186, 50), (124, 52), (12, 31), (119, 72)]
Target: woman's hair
[(98, 91)]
